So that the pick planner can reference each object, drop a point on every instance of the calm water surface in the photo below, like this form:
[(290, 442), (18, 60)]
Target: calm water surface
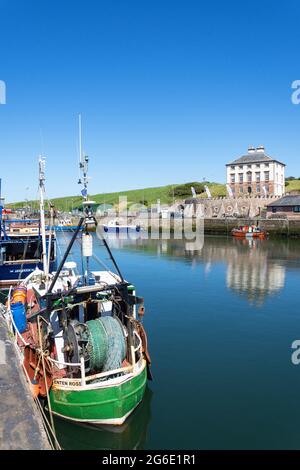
[(220, 323)]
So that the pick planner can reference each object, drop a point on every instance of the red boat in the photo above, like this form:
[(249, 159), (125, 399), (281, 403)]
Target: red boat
[(249, 231)]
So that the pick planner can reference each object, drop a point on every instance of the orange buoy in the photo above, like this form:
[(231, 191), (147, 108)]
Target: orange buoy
[(35, 388), (19, 295)]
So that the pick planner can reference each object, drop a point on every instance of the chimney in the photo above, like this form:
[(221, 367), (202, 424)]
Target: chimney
[(260, 149), (251, 149)]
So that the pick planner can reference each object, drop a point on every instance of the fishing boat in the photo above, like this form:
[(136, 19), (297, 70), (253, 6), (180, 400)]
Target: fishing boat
[(249, 231), (21, 248), (114, 226), (79, 335), (65, 225)]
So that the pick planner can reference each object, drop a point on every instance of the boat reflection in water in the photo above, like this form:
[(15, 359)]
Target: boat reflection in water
[(131, 435)]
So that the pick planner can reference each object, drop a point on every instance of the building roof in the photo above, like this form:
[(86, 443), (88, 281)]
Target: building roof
[(286, 201), (254, 155)]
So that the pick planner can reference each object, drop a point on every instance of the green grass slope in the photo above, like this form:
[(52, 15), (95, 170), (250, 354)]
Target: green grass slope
[(293, 185), (134, 196)]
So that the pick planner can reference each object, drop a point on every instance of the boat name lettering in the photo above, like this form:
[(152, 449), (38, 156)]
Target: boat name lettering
[(28, 270), (69, 383)]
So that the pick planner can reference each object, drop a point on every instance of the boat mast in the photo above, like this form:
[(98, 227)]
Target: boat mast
[(83, 165), (87, 239), (89, 218), (42, 163)]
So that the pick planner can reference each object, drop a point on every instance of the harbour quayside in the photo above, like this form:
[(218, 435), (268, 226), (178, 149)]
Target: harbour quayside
[(81, 344), (21, 247)]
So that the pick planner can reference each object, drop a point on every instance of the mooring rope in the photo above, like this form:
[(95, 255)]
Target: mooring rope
[(45, 421), (45, 379)]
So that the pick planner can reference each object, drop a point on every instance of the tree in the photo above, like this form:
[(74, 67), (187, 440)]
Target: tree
[(183, 190)]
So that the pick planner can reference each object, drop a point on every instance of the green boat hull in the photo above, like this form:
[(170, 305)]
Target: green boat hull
[(107, 405)]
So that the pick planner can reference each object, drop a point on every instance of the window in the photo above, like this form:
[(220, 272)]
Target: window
[(267, 176), (267, 165), (249, 176), (258, 188), (241, 177), (267, 188), (249, 166), (241, 167), (274, 210), (296, 208), (241, 189), (257, 166), (257, 177), (232, 167), (232, 178)]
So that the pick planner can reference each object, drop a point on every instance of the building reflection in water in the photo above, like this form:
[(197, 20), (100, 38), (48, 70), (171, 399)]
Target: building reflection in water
[(255, 269), (252, 273), (252, 270)]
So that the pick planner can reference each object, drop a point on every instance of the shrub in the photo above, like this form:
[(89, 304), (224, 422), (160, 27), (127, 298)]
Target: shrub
[(143, 202), (182, 190)]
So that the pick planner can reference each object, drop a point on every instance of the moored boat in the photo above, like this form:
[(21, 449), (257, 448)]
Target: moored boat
[(21, 249), (65, 225), (114, 226), (249, 231), (81, 343)]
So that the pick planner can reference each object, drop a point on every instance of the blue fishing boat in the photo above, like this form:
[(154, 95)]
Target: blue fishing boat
[(65, 225), (21, 248)]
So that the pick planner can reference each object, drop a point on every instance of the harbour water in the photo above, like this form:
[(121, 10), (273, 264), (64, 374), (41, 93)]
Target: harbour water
[(220, 323)]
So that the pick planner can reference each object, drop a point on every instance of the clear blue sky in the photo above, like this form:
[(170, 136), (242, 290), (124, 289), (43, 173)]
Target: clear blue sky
[(169, 90)]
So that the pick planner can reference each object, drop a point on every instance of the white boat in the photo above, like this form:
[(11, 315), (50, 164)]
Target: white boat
[(114, 226)]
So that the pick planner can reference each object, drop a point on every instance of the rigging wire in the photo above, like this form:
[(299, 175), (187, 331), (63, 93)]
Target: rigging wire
[(45, 421), (44, 372)]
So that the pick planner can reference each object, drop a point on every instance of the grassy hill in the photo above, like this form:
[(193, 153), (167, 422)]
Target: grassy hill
[(293, 185), (216, 189), (147, 196)]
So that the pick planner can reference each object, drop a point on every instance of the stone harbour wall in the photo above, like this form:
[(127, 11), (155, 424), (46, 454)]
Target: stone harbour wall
[(227, 207)]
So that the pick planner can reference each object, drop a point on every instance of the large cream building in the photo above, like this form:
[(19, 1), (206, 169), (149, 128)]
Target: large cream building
[(256, 173)]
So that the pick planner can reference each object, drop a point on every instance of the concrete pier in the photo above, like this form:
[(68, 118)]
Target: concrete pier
[(20, 422)]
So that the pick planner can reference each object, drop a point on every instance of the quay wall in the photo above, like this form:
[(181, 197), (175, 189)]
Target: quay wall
[(21, 426), (275, 227), (220, 226)]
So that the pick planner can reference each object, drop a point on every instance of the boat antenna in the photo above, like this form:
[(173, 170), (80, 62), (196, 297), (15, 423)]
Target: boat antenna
[(87, 221), (87, 240), (42, 163), (89, 217), (83, 164)]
